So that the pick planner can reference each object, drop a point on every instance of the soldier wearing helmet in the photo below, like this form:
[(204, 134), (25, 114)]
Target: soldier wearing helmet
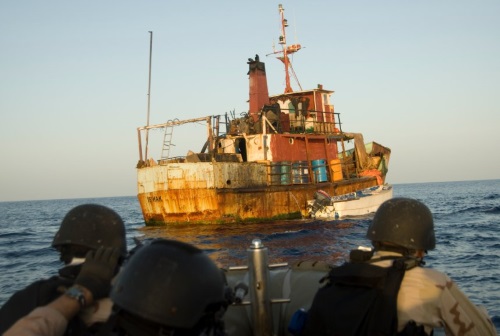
[(88, 227), (169, 288), (423, 299), (402, 224), (84, 228), (166, 288)]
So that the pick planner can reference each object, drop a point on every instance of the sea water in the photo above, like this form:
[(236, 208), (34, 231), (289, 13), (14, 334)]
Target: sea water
[(467, 224)]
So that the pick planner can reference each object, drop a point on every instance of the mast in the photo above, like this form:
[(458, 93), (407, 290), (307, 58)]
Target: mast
[(149, 93), (282, 41), (286, 50)]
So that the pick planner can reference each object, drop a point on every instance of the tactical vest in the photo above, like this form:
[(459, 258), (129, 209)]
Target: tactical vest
[(360, 299)]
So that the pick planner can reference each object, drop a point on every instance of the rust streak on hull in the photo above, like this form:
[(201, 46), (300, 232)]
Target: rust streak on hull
[(218, 206)]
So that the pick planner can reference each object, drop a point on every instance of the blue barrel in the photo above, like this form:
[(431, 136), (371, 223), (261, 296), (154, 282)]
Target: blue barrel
[(300, 172), (286, 170), (319, 170), (275, 173)]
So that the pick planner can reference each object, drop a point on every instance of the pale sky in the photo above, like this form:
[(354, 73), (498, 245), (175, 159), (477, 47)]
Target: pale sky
[(420, 77)]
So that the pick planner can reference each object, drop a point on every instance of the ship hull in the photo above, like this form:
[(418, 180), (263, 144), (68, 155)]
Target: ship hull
[(221, 192)]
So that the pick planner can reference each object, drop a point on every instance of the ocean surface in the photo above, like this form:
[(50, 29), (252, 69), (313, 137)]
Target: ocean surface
[(467, 224)]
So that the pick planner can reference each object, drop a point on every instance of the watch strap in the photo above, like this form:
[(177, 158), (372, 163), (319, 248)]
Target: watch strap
[(76, 293)]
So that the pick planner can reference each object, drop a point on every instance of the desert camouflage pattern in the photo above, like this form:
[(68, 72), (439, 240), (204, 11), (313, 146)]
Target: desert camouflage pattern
[(432, 299)]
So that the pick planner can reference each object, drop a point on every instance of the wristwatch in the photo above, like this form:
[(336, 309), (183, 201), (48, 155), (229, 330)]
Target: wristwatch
[(77, 294)]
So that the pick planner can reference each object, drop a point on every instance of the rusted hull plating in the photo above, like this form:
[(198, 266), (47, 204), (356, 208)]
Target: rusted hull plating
[(175, 194)]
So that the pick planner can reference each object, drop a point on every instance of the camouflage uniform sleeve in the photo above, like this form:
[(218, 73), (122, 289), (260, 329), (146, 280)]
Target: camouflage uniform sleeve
[(461, 316), (21, 303), (40, 322)]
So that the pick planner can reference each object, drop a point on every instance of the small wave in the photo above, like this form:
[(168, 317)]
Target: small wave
[(492, 196), (475, 210), (287, 252), (468, 210), (23, 235), (495, 210), (288, 233)]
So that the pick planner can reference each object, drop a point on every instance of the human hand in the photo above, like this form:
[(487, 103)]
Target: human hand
[(98, 270)]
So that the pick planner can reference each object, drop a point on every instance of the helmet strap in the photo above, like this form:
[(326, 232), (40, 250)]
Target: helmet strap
[(380, 246)]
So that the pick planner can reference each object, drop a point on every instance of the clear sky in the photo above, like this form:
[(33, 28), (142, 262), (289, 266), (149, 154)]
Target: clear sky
[(420, 77)]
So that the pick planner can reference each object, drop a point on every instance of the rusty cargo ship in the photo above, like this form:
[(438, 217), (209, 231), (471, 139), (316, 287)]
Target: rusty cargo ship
[(263, 166)]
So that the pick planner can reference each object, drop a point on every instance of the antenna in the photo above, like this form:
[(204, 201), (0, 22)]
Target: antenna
[(286, 50), (149, 93)]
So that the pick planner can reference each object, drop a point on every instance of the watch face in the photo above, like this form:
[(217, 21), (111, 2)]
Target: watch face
[(77, 294)]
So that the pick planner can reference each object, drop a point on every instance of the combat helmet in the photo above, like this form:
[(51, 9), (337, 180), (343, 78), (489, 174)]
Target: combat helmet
[(404, 222), (91, 226), (171, 285)]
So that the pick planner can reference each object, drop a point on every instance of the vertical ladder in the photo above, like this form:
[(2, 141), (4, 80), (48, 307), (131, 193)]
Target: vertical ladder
[(216, 124), (167, 139)]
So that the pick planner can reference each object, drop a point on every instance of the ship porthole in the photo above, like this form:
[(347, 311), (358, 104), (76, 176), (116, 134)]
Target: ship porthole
[(228, 182), (290, 141)]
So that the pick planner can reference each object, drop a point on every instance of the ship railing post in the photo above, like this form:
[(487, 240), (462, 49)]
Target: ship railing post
[(259, 288), (264, 127), (211, 144)]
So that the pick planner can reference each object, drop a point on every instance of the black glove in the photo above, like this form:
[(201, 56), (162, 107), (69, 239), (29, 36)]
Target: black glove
[(98, 270)]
